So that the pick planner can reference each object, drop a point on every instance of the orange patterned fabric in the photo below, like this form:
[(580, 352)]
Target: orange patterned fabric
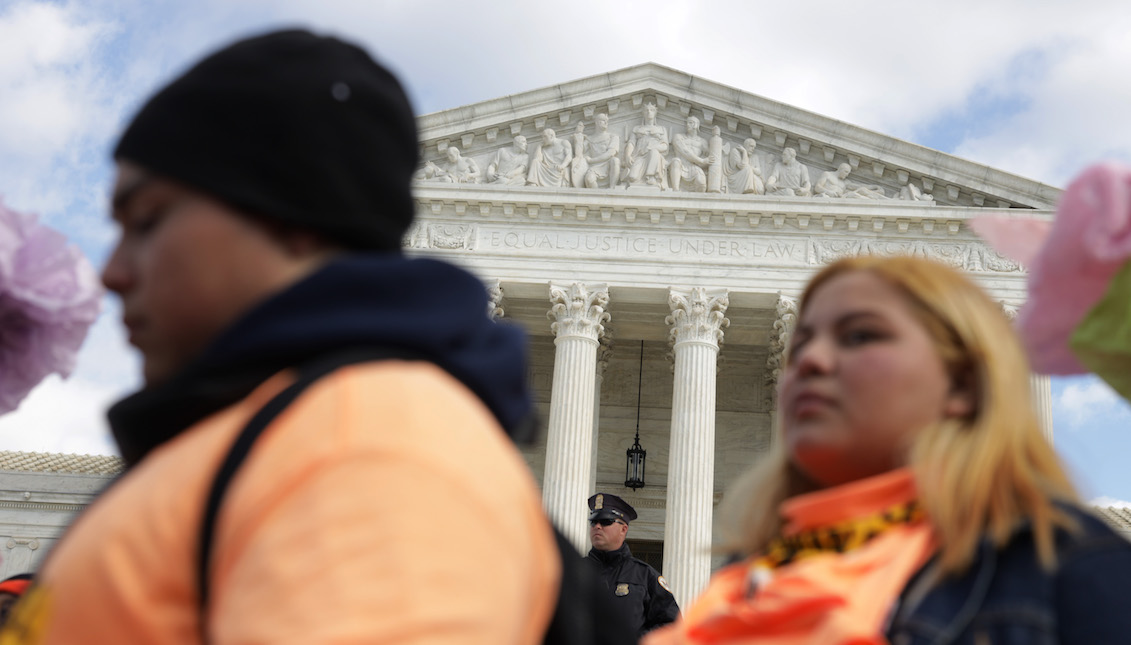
[(824, 598)]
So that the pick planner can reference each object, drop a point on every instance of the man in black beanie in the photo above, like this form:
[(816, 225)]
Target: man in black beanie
[(320, 450)]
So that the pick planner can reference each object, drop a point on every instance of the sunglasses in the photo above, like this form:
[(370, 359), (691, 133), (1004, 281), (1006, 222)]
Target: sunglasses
[(602, 522)]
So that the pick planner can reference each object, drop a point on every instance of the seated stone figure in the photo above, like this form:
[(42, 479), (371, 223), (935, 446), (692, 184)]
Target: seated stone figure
[(691, 161), (458, 170), (644, 154), (597, 157), (836, 184), (509, 165), (744, 170), (549, 165), (790, 178)]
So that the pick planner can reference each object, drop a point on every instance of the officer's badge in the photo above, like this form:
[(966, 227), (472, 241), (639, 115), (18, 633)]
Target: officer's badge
[(597, 504), (664, 584), (622, 589)]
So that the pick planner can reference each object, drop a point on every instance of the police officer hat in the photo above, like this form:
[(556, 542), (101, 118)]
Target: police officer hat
[(604, 506)]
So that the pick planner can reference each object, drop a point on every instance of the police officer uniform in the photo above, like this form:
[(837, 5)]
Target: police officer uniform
[(638, 592)]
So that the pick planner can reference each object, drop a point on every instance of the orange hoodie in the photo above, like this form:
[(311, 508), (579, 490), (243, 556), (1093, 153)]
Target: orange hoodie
[(385, 505)]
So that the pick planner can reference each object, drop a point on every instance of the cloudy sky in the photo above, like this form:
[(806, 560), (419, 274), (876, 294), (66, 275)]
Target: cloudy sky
[(1035, 88)]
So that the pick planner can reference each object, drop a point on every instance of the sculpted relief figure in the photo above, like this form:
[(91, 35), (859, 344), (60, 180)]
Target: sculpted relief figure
[(509, 165), (578, 167), (789, 178), (744, 170), (644, 153), (458, 170), (692, 158), (835, 184), (911, 192), (599, 157), (429, 172), (549, 165)]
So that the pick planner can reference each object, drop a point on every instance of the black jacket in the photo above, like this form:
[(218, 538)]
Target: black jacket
[(1006, 598), (638, 593)]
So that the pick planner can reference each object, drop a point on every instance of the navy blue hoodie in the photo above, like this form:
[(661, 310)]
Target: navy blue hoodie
[(425, 308)]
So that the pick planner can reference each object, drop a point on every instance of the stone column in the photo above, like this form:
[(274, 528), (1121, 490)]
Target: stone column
[(697, 321), (604, 353), (1041, 387), (578, 315)]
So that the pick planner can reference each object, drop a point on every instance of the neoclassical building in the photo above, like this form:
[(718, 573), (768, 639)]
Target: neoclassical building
[(651, 231)]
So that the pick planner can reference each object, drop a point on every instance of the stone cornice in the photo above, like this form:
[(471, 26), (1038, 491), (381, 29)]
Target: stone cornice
[(738, 110), (533, 204), (42, 506), (41, 462)]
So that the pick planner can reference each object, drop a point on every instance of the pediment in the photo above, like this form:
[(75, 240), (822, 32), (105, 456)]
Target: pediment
[(883, 167)]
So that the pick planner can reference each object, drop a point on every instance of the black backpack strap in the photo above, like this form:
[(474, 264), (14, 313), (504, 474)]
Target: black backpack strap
[(244, 442)]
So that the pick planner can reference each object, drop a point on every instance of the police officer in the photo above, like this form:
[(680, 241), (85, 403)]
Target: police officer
[(639, 592)]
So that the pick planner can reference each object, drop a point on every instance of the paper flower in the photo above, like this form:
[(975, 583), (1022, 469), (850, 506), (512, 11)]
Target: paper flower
[(1073, 265), (49, 297)]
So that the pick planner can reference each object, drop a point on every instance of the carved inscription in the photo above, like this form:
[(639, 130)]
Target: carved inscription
[(965, 257), (776, 251)]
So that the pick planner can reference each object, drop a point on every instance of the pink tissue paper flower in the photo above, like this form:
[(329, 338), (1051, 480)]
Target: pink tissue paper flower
[(1071, 260), (49, 297)]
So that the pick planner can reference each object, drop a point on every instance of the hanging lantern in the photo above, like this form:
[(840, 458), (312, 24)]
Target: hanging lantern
[(634, 466), (634, 471)]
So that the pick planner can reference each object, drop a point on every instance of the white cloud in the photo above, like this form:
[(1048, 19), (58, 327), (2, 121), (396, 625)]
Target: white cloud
[(1074, 115), (61, 416), (1106, 502), (56, 102), (885, 65), (1085, 401), (51, 87)]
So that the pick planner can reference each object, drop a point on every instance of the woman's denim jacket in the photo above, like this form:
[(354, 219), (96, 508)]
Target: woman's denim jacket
[(1006, 598)]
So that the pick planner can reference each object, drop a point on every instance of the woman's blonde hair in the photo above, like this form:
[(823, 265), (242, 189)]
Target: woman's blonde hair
[(980, 475)]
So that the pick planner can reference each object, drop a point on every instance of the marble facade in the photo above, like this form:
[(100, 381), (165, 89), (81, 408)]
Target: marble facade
[(685, 215), (40, 494)]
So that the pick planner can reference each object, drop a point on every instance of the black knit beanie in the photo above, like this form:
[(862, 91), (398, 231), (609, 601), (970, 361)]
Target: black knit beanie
[(294, 127)]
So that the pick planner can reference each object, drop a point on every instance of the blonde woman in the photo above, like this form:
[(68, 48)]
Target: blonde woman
[(911, 495)]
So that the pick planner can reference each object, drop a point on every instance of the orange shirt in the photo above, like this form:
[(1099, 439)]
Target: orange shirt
[(826, 599), (384, 505)]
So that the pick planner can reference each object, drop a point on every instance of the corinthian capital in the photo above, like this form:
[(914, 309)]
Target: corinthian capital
[(1009, 311), (698, 315), (779, 343), (494, 300), (578, 310), (604, 351)]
